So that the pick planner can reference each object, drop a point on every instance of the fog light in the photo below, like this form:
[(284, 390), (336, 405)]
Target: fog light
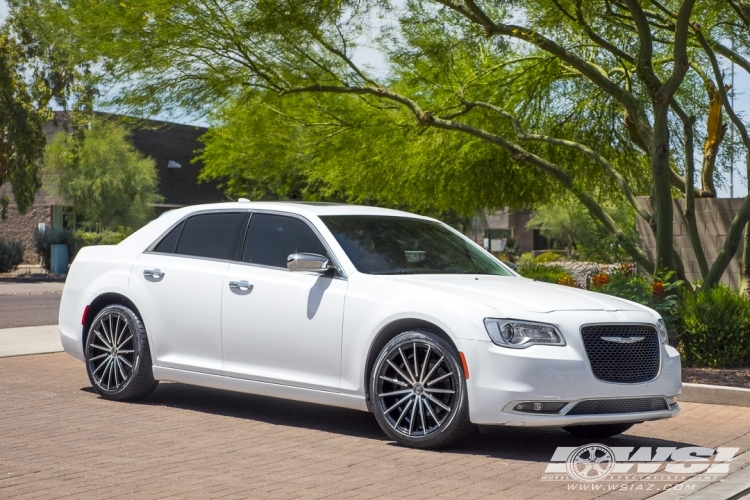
[(672, 400), (537, 407)]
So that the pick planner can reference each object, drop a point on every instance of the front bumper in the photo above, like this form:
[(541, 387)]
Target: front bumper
[(500, 378)]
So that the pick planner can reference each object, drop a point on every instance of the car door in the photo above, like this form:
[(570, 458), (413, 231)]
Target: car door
[(280, 326), (179, 286)]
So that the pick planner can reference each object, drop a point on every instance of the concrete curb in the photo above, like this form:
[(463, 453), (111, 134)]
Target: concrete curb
[(29, 340), (715, 395)]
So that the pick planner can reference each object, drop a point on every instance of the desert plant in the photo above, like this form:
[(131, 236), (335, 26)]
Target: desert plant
[(715, 325), (11, 255)]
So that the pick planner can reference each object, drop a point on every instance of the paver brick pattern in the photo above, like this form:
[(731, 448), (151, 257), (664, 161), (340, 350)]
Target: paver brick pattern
[(59, 439)]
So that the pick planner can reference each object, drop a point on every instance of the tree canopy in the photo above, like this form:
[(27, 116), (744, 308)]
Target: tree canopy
[(501, 101), (104, 178)]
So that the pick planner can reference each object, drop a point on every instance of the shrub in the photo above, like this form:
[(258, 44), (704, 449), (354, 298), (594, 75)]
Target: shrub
[(11, 255), (548, 273), (659, 293), (86, 238), (548, 257), (715, 328), (43, 241)]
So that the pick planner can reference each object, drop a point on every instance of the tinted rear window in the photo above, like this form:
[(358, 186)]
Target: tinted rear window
[(169, 242), (209, 235)]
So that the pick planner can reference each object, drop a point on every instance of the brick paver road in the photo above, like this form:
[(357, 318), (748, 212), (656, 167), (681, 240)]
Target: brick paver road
[(57, 438)]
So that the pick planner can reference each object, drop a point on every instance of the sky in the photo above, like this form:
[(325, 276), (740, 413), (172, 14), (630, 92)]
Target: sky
[(370, 57)]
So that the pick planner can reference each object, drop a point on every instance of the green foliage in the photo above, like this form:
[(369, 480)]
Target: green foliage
[(715, 328), (11, 255), (36, 75), (85, 238), (549, 273), (660, 293), (567, 222), (548, 257), (105, 179), (43, 241)]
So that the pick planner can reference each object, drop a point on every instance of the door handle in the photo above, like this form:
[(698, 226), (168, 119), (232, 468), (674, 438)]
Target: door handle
[(242, 286), (153, 273)]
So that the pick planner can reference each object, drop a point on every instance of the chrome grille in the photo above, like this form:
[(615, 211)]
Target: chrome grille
[(625, 363), (604, 406)]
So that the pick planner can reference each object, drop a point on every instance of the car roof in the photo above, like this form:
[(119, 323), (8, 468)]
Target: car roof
[(304, 208)]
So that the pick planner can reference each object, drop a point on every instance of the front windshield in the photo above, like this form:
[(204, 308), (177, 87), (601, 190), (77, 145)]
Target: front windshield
[(403, 245)]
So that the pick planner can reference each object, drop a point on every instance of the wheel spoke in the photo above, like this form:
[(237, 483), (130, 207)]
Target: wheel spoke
[(398, 370), (114, 370), (398, 403), (440, 391), (441, 377), (100, 347), (403, 413), (109, 346), (434, 417), (106, 333), (394, 381), (111, 332), (126, 351), (421, 415), (424, 365), (437, 402), (395, 393), (416, 369), (124, 341), (119, 368), (103, 364), (406, 365), (127, 362), (117, 331), (99, 357), (413, 413), (432, 370)]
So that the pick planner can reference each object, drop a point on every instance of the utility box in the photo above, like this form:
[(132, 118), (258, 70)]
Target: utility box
[(59, 259)]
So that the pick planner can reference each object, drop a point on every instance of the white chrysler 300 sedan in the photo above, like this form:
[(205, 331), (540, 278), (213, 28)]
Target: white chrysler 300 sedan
[(363, 308)]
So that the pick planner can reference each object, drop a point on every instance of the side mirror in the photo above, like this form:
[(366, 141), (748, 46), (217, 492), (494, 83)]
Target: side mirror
[(307, 262)]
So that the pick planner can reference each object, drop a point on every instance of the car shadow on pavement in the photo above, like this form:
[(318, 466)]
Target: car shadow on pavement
[(511, 443)]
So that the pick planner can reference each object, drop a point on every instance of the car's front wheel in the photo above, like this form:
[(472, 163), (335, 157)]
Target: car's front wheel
[(600, 431), (418, 391), (118, 360)]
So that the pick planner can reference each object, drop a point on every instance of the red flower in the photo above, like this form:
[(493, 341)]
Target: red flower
[(600, 279), (657, 287)]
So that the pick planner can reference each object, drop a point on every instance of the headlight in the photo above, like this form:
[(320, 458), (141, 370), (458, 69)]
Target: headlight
[(663, 335), (522, 334)]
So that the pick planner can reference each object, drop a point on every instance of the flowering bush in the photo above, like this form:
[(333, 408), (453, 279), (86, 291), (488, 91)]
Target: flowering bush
[(568, 281), (599, 280)]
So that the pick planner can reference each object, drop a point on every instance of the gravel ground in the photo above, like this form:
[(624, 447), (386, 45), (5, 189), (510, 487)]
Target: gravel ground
[(734, 377)]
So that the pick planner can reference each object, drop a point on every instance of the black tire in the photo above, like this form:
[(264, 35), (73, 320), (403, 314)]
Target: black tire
[(119, 370), (601, 431), (437, 383)]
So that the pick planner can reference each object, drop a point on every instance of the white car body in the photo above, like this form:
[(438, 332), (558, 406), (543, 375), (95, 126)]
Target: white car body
[(294, 338)]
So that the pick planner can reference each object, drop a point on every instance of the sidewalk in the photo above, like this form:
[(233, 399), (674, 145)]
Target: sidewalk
[(29, 340)]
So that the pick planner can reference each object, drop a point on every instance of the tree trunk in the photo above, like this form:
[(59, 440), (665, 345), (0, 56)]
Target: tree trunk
[(662, 190)]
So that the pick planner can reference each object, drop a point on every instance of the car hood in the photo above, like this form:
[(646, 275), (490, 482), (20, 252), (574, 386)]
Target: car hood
[(516, 293)]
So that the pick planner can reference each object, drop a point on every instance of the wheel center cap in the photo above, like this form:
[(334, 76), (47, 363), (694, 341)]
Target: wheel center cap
[(418, 389)]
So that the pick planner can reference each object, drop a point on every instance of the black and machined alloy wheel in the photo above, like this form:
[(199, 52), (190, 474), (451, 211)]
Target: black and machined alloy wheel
[(118, 360), (599, 431), (418, 391)]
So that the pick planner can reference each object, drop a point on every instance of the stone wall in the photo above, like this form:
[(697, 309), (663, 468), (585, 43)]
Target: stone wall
[(21, 227), (713, 216)]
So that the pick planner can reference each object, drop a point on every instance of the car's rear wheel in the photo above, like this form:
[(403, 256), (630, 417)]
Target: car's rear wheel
[(118, 360), (418, 391), (600, 431)]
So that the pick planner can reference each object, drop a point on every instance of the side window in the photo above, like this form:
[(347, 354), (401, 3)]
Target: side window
[(272, 238), (209, 235), (169, 242)]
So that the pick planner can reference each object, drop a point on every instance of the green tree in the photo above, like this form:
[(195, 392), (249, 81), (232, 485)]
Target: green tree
[(104, 178), (36, 73), (578, 92)]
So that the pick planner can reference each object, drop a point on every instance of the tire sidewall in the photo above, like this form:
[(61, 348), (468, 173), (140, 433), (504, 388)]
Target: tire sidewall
[(138, 343), (447, 428)]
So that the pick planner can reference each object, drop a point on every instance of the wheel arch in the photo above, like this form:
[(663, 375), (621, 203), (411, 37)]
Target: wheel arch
[(388, 333), (99, 303)]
